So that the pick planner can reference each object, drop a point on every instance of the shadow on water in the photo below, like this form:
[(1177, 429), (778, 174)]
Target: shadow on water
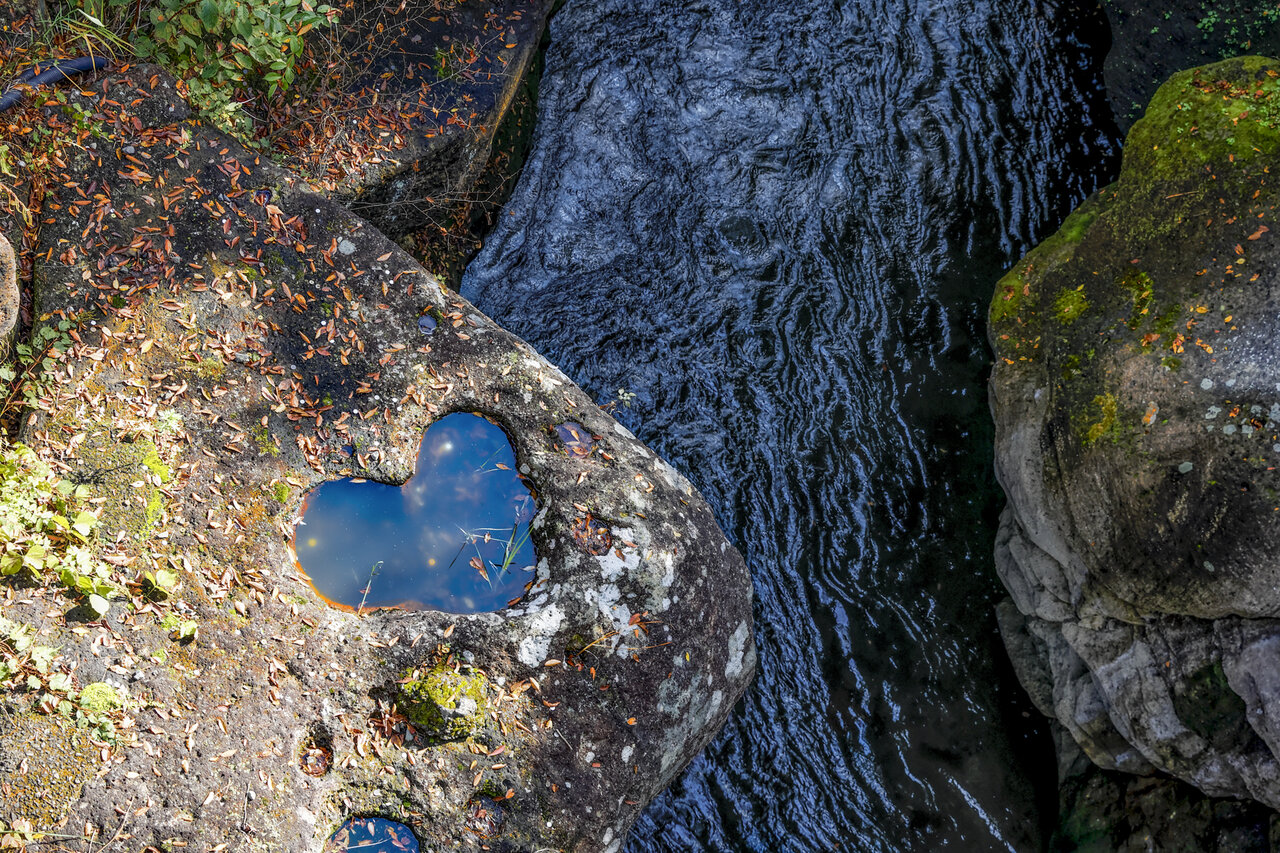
[(455, 537), (778, 226)]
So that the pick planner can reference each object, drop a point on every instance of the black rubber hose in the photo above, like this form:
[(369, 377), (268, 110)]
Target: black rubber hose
[(55, 73)]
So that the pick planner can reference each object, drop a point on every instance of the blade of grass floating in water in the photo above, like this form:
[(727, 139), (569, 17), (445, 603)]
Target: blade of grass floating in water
[(373, 570)]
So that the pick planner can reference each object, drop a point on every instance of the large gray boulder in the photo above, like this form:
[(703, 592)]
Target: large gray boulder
[(233, 333), (1136, 395)]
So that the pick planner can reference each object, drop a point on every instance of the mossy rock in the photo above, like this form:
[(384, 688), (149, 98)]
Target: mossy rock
[(445, 704), (1138, 439), (44, 762)]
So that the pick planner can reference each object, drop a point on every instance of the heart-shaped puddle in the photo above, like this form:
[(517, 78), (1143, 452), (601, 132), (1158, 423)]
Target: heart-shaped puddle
[(453, 538)]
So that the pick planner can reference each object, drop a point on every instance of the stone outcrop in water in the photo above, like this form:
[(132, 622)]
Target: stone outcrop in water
[(237, 340), (1136, 395)]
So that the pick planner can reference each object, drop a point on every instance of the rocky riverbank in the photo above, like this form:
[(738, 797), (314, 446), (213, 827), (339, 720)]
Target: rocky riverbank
[(226, 340)]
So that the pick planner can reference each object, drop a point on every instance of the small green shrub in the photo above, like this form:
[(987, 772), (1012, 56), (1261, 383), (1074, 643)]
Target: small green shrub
[(222, 49), (26, 378)]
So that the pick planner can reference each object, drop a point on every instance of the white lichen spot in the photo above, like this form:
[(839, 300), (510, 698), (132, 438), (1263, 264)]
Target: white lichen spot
[(542, 627), (608, 601), (346, 247), (1206, 383), (627, 752), (737, 651), (611, 565)]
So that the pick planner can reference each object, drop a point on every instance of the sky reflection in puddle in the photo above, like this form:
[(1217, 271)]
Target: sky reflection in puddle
[(454, 538), (372, 835)]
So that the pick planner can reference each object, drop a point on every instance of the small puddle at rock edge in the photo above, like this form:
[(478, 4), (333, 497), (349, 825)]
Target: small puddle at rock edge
[(455, 537), (575, 438), (372, 835)]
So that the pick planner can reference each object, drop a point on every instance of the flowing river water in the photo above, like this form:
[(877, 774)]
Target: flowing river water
[(778, 226)]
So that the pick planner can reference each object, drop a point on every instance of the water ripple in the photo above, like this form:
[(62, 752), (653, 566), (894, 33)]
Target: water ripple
[(778, 226)]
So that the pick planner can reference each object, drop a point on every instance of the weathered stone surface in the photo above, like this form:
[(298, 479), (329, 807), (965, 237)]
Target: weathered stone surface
[(1152, 41), (234, 334), (1136, 395), (428, 85), (9, 293)]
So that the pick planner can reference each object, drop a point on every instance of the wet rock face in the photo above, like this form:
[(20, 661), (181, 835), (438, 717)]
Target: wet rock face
[(1137, 403), (248, 331), (1106, 812)]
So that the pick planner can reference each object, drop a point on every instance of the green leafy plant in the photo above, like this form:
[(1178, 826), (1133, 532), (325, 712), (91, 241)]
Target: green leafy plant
[(45, 532), (23, 662), (180, 629), (161, 583), (221, 46), (27, 377), (224, 50)]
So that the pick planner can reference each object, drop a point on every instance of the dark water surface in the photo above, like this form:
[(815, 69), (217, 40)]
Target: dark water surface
[(778, 226), (454, 538)]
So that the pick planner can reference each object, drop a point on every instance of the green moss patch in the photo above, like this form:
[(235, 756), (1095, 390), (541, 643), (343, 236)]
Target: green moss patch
[(99, 698), (1214, 116), (1016, 305), (1070, 304), (1141, 291), (444, 703)]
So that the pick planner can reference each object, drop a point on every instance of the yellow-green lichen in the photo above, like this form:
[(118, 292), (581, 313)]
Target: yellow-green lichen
[(1104, 421), (444, 703), (115, 470), (99, 698), (210, 367), (1070, 304), (262, 438)]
